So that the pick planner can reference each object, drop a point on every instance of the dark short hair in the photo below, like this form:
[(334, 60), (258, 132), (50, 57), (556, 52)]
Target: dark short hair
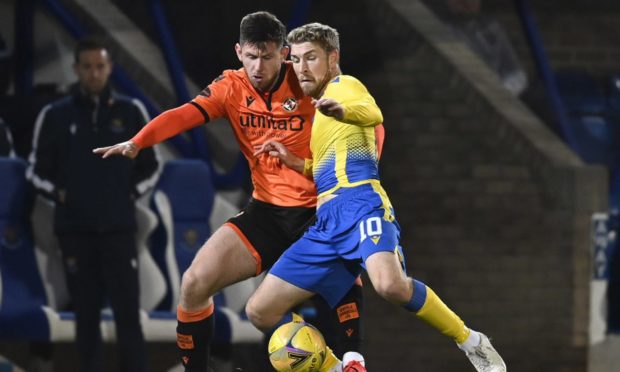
[(261, 27), (90, 43), (327, 37)]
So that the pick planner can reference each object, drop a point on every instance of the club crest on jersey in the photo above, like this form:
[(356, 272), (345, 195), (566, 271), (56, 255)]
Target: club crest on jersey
[(290, 104), (117, 126), (190, 237), (249, 100)]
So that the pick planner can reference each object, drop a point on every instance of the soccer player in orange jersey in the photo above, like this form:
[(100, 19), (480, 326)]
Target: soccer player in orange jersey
[(262, 101)]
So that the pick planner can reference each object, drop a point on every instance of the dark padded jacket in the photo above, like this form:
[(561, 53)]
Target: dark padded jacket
[(91, 194)]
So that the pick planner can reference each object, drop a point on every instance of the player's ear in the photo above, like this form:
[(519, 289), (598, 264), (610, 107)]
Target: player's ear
[(334, 57), (285, 51), (238, 51)]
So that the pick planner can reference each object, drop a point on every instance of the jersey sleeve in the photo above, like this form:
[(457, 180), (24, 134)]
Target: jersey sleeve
[(379, 138), (44, 158), (207, 105), (308, 164), (168, 124), (360, 107), (212, 99)]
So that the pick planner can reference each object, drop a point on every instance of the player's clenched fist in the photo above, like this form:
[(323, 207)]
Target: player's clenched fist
[(277, 150)]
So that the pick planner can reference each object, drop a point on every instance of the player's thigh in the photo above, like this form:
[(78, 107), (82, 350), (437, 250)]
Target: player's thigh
[(276, 296), (224, 259)]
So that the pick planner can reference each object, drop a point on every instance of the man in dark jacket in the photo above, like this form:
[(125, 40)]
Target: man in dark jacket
[(95, 211)]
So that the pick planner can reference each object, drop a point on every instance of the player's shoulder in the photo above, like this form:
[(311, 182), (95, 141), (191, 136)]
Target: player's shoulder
[(345, 86), (226, 81), (231, 79), (347, 81), (124, 100), (230, 76), (58, 108)]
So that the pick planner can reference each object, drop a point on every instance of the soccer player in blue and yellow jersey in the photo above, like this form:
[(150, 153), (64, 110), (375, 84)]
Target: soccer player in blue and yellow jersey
[(355, 226)]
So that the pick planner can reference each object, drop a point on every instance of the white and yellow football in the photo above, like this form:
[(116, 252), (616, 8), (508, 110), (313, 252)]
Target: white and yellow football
[(296, 347)]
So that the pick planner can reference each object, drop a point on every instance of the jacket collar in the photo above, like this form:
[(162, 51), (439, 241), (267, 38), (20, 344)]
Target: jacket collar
[(85, 100)]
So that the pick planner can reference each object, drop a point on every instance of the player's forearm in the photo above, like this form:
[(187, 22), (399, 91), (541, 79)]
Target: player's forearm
[(295, 163), (168, 124)]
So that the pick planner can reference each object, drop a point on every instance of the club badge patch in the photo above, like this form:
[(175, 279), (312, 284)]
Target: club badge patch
[(290, 104)]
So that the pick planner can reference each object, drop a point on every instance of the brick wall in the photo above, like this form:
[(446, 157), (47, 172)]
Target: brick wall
[(493, 207)]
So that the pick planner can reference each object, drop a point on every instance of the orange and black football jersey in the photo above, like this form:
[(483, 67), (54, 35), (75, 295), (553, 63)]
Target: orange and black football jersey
[(283, 114)]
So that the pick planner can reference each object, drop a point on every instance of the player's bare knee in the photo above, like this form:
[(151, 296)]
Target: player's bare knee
[(194, 285), (256, 315), (392, 290)]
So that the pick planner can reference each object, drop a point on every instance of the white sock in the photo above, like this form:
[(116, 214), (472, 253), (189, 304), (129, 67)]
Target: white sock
[(352, 355), (472, 341)]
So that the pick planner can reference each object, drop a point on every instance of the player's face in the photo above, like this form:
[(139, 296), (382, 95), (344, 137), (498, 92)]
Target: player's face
[(262, 63), (93, 69), (313, 66)]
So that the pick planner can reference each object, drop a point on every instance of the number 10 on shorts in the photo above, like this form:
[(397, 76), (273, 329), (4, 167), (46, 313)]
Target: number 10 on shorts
[(370, 227)]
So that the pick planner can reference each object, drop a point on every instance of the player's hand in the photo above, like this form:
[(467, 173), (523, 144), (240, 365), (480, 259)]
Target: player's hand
[(128, 149), (277, 150), (329, 107)]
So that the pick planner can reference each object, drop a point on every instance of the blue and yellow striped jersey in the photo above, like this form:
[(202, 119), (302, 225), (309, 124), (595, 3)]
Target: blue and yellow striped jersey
[(344, 153)]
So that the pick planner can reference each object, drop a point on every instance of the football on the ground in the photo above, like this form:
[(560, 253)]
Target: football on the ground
[(296, 346)]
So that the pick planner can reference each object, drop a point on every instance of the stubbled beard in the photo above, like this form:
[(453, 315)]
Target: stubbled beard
[(309, 91)]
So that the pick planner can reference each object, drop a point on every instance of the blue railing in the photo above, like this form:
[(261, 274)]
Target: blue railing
[(198, 141), (546, 73), (119, 75), (24, 41), (195, 146)]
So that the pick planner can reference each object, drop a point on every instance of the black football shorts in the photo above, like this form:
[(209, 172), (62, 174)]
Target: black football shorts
[(268, 230)]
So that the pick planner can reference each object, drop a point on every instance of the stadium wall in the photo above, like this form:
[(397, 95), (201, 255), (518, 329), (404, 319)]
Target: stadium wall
[(494, 208)]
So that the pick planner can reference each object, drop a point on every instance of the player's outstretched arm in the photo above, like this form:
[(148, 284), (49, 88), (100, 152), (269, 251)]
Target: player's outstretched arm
[(166, 125), (127, 148), (277, 150)]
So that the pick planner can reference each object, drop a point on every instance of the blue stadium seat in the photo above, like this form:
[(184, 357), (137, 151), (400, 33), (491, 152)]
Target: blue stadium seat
[(23, 296), (183, 200), (25, 313), (614, 94), (581, 93)]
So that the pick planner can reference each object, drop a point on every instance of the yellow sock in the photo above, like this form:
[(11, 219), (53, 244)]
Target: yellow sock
[(439, 315), (331, 363)]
